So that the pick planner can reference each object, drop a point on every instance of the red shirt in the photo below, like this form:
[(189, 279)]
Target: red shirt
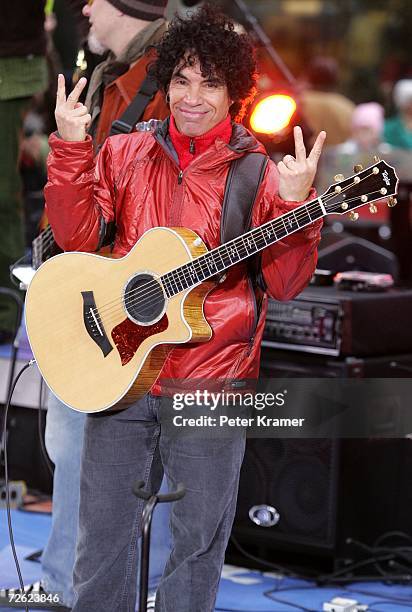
[(188, 148)]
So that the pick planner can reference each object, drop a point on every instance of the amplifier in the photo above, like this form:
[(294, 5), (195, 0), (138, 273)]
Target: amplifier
[(328, 321)]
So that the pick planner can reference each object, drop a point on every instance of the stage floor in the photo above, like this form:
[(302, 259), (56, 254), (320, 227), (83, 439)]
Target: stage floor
[(241, 590)]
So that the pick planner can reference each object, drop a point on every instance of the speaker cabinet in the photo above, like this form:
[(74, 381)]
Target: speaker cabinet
[(354, 253), (315, 494), (298, 479), (323, 493), (25, 459)]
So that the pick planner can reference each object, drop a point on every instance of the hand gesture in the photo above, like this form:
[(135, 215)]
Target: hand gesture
[(296, 174), (72, 117)]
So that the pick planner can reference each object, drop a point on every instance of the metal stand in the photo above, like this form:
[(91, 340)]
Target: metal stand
[(264, 39), (152, 500)]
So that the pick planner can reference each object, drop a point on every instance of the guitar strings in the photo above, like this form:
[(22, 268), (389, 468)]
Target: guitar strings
[(137, 293), (45, 246), (277, 221), (147, 303), (45, 237), (141, 291)]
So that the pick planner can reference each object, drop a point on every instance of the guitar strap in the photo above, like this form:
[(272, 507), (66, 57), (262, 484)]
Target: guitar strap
[(242, 185), (125, 125), (136, 108)]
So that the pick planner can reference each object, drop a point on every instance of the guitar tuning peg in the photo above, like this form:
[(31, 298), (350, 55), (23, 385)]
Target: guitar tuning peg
[(373, 209), (392, 202), (338, 178), (376, 159), (353, 216), (358, 168)]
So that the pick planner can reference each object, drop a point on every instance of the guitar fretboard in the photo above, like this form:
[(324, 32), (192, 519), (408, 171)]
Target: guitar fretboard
[(223, 257)]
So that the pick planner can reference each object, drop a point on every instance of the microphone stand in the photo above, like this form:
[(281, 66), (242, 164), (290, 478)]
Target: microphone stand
[(261, 35), (252, 24), (151, 500)]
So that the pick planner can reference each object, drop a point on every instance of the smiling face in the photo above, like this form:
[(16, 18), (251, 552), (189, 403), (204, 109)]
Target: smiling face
[(197, 103)]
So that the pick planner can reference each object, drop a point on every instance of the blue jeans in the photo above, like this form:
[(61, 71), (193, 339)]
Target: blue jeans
[(124, 447), (64, 442)]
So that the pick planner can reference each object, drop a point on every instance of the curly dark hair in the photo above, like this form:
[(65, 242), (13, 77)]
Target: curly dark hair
[(208, 36)]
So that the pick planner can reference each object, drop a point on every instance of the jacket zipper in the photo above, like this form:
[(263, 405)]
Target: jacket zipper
[(177, 201), (176, 208)]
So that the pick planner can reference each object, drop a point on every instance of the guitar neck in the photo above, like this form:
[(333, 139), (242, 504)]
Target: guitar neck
[(223, 257), (42, 247)]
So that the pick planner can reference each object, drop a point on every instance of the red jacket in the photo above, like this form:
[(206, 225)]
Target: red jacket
[(136, 182)]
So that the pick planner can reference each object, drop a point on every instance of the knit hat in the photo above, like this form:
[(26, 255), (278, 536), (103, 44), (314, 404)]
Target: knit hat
[(370, 114), (148, 10)]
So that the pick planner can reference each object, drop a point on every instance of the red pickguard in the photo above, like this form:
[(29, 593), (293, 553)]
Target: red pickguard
[(128, 336)]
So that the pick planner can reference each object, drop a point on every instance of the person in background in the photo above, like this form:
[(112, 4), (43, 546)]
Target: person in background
[(366, 140), (366, 131), (398, 129), (323, 108), (124, 28), (23, 73)]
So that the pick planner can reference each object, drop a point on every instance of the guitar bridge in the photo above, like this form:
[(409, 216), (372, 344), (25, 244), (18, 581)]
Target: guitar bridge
[(93, 323)]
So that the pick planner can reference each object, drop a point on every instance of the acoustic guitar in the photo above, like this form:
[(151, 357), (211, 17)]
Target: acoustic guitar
[(100, 328)]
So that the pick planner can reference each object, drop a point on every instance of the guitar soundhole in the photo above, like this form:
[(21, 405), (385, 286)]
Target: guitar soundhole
[(144, 299)]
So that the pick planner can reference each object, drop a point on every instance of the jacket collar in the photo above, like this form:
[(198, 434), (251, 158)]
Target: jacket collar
[(241, 141)]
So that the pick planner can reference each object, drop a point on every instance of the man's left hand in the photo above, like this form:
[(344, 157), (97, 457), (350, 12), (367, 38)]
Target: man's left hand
[(296, 174)]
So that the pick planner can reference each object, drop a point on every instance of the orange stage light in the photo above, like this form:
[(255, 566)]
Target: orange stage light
[(272, 114)]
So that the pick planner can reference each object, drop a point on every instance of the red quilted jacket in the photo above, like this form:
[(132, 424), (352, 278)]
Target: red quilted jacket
[(136, 182)]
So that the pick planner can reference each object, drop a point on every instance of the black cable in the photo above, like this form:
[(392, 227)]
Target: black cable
[(269, 595), (353, 580), (384, 596), (403, 552), (393, 534), (238, 610), (398, 366), (401, 578), (338, 574), (6, 475), (386, 603), (45, 455), (278, 568)]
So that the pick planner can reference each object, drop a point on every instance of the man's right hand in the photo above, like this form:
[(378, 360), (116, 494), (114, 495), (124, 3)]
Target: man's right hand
[(72, 117)]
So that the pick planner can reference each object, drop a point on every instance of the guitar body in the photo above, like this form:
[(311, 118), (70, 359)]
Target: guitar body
[(108, 349)]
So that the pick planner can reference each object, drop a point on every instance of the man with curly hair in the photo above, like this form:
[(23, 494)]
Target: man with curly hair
[(175, 175)]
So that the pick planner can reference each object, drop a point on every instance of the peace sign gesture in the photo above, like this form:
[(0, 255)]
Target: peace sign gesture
[(72, 117), (296, 174)]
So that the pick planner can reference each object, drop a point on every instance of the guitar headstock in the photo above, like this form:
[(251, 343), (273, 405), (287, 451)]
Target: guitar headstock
[(377, 182)]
